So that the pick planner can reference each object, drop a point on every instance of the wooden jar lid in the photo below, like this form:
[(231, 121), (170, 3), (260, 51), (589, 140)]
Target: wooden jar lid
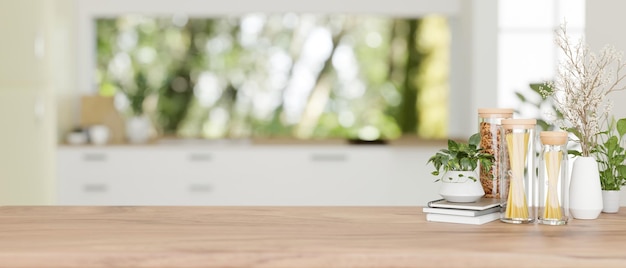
[(553, 137), (519, 123), (495, 112)]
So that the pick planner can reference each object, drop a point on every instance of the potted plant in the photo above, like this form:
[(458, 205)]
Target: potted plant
[(138, 125), (610, 155), (457, 164)]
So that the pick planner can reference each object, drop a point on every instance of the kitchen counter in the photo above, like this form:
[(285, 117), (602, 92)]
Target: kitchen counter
[(409, 141), (99, 236)]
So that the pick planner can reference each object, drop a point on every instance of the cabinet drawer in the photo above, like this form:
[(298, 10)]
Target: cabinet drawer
[(246, 175), (87, 193)]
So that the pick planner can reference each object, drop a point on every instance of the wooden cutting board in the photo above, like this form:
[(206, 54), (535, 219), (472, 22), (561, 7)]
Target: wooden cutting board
[(99, 110)]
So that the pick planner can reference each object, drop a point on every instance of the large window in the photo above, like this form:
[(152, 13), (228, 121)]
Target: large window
[(527, 53), (292, 74)]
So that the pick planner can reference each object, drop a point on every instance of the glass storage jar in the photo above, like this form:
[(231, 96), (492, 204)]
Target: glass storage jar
[(489, 120), (553, 181), (517, 171)]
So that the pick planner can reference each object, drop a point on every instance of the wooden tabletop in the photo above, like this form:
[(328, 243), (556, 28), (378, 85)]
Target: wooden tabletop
[(57, 236)]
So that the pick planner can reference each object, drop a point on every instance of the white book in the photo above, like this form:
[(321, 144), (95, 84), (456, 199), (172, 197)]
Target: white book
[(461, 212), (481, 204), (463, 219)]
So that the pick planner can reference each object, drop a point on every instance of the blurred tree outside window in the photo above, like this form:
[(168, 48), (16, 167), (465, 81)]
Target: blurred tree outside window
[(279, 75)]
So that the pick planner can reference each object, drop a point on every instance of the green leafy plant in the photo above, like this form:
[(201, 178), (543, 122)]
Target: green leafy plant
[(538, 105), (461, 157), (140, 93), (610, 155)]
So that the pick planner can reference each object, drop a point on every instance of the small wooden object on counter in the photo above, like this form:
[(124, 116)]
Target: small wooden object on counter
[(98, 110)]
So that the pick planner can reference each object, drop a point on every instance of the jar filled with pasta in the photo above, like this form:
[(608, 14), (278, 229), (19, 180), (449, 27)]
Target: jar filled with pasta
[(553, 182), (517, 171), (489, 120)]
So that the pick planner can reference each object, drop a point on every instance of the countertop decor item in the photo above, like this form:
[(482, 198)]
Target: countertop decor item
[(610, 155), (580, 90), (100, 110), (488, 124), (99, 134), (553, 179), (580, 93), (517, 165), (138, 124), (475, 220), (461, 186), (138, 129), (77, 136), (458, 163), (482, 211), (610, 201), (585, 193)]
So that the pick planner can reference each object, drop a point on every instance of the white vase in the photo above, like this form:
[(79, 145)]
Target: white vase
[(138, 129), (585, 192), (457, 186), (99, 134), (610, 201)]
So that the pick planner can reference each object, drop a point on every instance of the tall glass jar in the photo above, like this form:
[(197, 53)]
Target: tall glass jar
[(517, 171), (553, 183), (489, 120)]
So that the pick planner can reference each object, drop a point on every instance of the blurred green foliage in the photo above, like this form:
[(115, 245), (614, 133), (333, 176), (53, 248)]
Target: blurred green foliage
[(533, 104), (290, 75)]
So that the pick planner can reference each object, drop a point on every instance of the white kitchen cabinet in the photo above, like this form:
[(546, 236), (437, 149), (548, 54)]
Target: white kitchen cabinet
[(131, 175), (244, 175), (27, 140)]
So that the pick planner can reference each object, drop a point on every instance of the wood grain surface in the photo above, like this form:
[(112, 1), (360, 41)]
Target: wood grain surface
[(57, 236)]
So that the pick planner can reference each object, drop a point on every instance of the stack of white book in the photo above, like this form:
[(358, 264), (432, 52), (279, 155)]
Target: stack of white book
[(480, 212)]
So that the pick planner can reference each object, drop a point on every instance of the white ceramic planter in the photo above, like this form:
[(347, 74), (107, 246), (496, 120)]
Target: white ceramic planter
[(585, 192), (138, 129), (456, 186), (610, 201)]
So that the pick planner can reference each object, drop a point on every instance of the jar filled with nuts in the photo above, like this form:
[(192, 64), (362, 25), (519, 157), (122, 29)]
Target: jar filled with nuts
[(489, 120)]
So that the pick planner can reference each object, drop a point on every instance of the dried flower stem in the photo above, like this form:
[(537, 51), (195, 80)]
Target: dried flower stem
[(582, 84)]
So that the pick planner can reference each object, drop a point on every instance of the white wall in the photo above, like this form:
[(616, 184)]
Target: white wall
[(605, 22), (605, 25), (473, 80)]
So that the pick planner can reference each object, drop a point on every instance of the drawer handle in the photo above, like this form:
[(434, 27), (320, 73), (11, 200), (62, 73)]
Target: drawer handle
[(95, 157), (329, 157), (200, 188), (95, 188), (200, 157)]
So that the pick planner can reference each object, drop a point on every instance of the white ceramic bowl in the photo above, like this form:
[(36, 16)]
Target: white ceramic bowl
[(76, 138)]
